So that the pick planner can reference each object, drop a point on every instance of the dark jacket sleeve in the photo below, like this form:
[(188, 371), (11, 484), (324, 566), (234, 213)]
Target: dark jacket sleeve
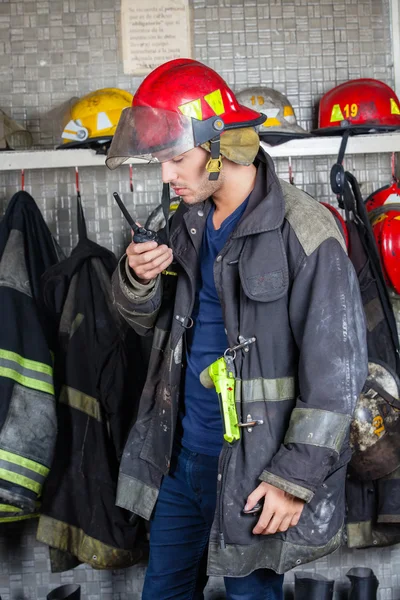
[(327, 321), (138, 304)]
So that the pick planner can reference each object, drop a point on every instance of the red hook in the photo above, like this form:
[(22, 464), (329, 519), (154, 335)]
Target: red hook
[(131, 177), (291, 177), (78, 191)]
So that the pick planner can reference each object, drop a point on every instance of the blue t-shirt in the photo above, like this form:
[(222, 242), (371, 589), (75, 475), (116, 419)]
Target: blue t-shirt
[(207, 341)]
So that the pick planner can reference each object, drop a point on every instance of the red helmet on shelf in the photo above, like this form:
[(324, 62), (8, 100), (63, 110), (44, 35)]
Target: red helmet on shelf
[(180, 105), (341, 221), (383, 207), (363, 105)]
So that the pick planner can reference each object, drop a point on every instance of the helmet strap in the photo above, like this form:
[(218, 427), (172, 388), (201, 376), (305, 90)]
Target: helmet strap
[(165, 202), (214, 165)]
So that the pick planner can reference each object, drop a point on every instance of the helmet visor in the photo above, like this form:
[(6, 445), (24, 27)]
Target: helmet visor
[(151, 134)]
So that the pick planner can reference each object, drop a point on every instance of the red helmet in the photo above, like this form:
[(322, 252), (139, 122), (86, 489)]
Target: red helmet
[(342, 222), (383, 207), (180, 105), (360, 104)]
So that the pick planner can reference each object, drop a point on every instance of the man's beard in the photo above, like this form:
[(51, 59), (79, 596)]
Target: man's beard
[(205, 190)]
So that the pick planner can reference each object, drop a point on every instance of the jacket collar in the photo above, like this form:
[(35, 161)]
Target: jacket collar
[(193, 219), (265, 210)]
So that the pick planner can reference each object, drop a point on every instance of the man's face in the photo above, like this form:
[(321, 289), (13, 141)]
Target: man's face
[(188, 177)]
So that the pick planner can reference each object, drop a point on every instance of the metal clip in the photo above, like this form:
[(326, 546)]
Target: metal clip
[(250, 423), (230, 365), (244, 344), (186, 322)]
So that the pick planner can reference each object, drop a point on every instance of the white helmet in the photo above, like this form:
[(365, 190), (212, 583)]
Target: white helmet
[(281, 124)]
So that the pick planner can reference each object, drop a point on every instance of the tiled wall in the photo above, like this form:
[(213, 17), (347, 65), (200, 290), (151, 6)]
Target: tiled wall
[(53, 50)]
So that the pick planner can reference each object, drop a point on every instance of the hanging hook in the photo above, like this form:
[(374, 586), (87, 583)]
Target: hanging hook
[(23, 180), (291, 178), (131, 177), (78, 191), (338, 177), (82, 232)]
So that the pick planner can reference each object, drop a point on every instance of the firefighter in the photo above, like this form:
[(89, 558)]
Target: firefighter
[(255, 270)]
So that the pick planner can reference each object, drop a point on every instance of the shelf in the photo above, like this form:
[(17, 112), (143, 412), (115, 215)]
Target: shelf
[(315, 146), (53, 159), (329, 146)]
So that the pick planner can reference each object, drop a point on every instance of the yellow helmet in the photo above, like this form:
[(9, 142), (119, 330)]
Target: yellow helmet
[(91, 121)]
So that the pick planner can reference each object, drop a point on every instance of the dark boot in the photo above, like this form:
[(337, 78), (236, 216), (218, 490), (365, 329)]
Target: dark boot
[(70, 591), (364, 584), (312, 587)]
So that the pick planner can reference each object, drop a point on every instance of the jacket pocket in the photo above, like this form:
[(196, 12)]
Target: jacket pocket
[(324, 515), (264, 280), (244, 464)]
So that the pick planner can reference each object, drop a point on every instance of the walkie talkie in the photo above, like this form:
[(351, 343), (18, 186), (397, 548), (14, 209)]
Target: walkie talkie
[(141, 233)]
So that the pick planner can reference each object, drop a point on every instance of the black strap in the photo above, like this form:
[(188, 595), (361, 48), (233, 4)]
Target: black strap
[(215, 147), (215, 150), (82, 232), (337, 172), (395, 402), (343, 146), (165, 203), (355, 204)]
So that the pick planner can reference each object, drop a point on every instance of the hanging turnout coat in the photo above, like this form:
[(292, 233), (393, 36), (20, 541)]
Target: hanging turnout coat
[(27, 407), (373, 492), (94, 362), (284, 277)]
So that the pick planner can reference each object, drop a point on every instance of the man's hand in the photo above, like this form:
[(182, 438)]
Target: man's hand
[(148, 259), (281, 510)]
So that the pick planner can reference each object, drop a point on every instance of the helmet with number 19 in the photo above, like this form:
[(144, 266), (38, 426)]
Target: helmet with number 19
[(362, 105)]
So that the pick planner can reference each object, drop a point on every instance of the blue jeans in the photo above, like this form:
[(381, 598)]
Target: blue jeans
[(179, 533)]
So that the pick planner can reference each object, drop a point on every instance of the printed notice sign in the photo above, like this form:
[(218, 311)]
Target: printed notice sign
[(154, 31)]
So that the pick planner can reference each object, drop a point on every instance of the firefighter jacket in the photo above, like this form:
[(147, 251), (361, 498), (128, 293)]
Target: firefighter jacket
[(28, 413), (373, 515), (284, 278), (95, 360)]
